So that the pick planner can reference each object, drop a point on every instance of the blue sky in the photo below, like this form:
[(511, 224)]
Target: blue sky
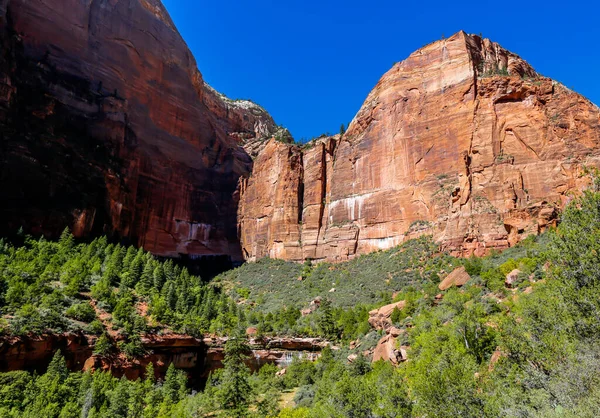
[(312, 63)]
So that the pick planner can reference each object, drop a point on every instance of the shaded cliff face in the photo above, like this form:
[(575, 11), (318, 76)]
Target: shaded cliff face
[(462, 140), (108, 127)]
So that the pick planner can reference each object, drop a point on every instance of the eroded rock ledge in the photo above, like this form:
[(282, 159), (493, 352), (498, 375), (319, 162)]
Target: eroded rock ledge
[(197, 356)]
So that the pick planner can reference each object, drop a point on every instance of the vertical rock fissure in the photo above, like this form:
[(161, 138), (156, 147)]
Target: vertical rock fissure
[(323, 199), (469, 156), (300, 189), (357, 240)]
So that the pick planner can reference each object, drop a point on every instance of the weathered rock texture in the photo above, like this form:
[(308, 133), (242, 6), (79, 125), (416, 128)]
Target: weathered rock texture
[(108, 127), (462, 140), (387, 350), (198, 357)]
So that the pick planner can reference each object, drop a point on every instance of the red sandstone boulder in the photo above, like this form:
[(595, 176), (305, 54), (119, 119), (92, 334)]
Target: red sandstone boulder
[(395, 332), (387, 350), (380, 318), (458, 278)]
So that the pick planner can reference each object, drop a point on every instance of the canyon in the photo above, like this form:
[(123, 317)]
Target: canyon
[(109, 128)]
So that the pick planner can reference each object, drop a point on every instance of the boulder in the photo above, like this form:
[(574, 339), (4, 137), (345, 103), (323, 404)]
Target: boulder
[(512, 278), (458, 278), (313, 306), (380, 318), (395, 332), (387, 350)]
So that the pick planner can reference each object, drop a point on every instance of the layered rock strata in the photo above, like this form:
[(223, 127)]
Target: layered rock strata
[(463, 140)]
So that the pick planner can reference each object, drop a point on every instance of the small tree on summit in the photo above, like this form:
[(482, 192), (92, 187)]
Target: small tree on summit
[(342, 130)]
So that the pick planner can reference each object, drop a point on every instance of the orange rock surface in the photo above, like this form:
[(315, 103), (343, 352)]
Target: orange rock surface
[(387, 350), (458, 278), (381, 318), (462, 140)]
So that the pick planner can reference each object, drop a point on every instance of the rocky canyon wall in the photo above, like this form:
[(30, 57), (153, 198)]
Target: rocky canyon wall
[(107, 126), (462, 140)]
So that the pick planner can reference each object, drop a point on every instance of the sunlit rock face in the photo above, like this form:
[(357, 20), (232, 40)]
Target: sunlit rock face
[(462, 140), (108, 127)]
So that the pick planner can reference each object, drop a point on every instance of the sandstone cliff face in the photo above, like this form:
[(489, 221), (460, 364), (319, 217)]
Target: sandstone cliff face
[(462, 140), (108, 127)]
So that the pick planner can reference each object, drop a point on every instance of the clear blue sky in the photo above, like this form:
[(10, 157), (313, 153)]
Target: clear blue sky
[(312, 63)]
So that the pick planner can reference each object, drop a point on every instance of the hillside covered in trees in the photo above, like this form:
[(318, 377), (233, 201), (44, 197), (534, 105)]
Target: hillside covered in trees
[(489, 348)]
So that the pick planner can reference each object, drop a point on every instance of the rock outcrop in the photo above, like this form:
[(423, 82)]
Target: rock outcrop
[(381, 318), (387, 350), (462, 140), (197, 356), (108, 127)]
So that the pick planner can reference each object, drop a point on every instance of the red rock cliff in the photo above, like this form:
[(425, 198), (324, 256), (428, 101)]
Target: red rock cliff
[(462, 140), (108, 127)]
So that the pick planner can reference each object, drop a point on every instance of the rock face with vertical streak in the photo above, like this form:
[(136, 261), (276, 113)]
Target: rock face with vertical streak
[(462, 140), (108, 127)]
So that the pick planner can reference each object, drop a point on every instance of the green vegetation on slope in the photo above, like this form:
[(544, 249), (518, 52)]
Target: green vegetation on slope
[(369, 279), (531, 350)]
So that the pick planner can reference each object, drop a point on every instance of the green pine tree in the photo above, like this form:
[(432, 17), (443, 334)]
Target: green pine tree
[(235, 391), (66, 241), (159, 277), (326, 320)]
